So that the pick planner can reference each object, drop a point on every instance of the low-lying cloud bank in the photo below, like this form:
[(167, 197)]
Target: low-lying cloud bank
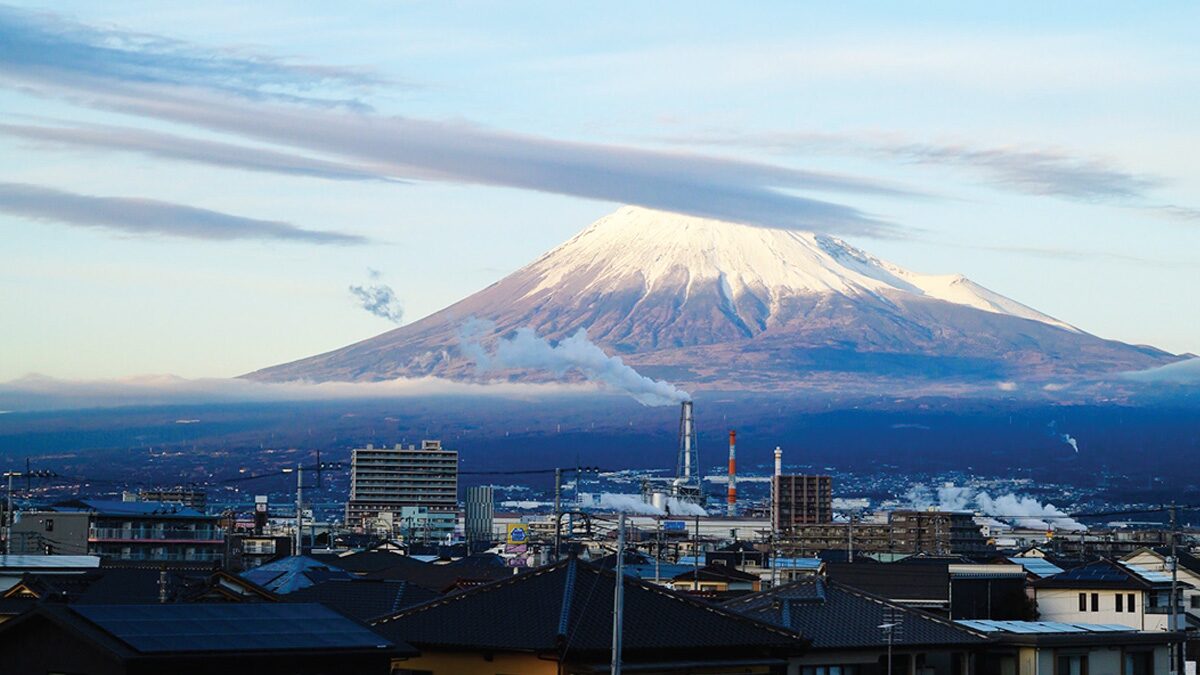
[(1180, 372), (40, 393)]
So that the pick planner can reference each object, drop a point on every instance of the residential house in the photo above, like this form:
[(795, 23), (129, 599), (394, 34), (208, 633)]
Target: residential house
[(1108, 592), (558, 619), (1055, 648), (852, 632)]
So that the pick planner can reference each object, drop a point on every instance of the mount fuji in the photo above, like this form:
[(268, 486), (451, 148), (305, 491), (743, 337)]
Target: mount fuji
[(723, 306)]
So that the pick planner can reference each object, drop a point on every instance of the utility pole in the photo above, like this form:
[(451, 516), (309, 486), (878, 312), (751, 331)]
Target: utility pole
[(558, 511), (1174, 591), (299, 508), (850, 540), (8, 516), (696, 557), (619, 597), (891, 631)]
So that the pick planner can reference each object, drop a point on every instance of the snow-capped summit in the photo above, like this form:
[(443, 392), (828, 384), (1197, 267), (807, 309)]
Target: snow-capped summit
[(659, 248), (712, 304)]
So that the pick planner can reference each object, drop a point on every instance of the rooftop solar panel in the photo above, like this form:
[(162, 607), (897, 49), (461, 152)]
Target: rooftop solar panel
[(229, 627), (1042, 627)]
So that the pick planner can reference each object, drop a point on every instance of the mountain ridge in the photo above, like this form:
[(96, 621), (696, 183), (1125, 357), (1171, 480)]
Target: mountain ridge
[(720, 305)]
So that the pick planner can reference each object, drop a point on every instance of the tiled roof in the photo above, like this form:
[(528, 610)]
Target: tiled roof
[(567, 607), (716, 572), (129, 586), (441, 577), (289, 574), (835, 616), (364, 599)]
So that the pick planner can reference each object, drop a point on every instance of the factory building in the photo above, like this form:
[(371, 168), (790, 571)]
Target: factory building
[(933, 532), (801, 500), (407, 491)]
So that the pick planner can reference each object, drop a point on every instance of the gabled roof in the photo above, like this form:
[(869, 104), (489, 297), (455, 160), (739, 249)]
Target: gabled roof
[(1105, 574), (441, 577), (363, 562), (291, 573), (1036, 565), (363, 599), (567, 608), (716, 572), (134, 586), (163, 629), (835, 616)]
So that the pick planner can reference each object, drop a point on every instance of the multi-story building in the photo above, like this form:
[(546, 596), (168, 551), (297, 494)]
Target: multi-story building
[(801, 500), (149, 531), (409, 491), (479, 515), (936, 532), (1111, 592), (196, 499)]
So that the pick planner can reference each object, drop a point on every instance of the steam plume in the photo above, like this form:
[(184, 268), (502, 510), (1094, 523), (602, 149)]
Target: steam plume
[(526, 350), (378, 299), (1009, 508), (635, 504), (1070, 440)]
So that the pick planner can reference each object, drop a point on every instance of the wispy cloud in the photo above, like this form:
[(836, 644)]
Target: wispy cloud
[(1027, 170), (36, 43), (151, 217), (1185, 372), (378, 298), (171, 146), (156, 78)]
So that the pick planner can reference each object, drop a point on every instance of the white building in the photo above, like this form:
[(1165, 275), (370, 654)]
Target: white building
[(1109, 592)]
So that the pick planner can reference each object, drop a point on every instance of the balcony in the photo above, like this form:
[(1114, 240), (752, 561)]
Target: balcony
[(154, 534)]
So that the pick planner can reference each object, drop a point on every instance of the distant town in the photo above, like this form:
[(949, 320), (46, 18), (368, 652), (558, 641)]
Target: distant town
[(401, 568)]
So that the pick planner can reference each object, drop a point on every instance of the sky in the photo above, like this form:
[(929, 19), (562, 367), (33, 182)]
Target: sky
[(205, 189)]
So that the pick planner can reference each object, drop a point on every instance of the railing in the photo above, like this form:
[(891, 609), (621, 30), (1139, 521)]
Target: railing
[(153, 534), (198, 556)]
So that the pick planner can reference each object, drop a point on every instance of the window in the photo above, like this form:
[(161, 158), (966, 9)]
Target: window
[(1129, 603), (1095, 602), (1196, 602), (1083, 602), (1072, 665), (49, 524), (1120, 602)]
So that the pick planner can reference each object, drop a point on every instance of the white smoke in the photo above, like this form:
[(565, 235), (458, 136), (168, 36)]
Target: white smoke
[(1070, 440), (635, 504), (378, 299), (526, 350), (1009, 508)]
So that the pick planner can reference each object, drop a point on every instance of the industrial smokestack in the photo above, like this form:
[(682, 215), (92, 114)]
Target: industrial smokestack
[(686, 414), (732, 472), (778, 461)]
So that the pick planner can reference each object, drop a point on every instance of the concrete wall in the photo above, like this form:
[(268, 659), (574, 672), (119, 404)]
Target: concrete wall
[(69, 535), (1063, 605)]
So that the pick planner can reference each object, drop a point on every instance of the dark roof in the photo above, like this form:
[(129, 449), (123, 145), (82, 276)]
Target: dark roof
[(1186, 559), (135, 586), (896, 582), (291, 574), (567, 607), (129, 630), (363, 561), (1100, 574), (716, 572), (442, 577), (364, 599), (834, 616)]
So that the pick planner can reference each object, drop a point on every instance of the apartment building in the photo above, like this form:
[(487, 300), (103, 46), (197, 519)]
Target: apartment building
[(406, 491)]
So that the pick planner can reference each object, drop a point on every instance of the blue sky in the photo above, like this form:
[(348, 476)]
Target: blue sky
[(193, 188)]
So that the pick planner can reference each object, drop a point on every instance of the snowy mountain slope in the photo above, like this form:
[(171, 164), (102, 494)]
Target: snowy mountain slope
[(723, 305)]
